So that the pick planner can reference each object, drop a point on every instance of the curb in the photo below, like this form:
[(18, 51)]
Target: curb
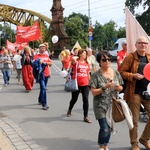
[(12, 137)]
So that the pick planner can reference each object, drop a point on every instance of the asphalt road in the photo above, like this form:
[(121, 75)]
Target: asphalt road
[(52, 129)]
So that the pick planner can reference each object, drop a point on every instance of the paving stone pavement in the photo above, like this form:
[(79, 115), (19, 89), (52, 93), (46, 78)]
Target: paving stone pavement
[(12, 137)]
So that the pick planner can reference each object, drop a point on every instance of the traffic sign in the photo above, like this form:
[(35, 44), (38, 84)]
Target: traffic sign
[(90, 38), (90, 33)]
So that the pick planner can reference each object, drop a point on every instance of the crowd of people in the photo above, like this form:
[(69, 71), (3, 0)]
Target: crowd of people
[(29, 65), (102, 81), (105, 82)]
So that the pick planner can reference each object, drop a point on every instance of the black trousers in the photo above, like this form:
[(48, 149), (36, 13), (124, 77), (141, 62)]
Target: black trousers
[(85, 98)]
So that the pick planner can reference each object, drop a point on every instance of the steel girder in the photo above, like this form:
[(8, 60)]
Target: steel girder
[(24, 17)]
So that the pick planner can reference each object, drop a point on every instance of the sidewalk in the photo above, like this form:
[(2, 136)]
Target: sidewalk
[(12, 137)]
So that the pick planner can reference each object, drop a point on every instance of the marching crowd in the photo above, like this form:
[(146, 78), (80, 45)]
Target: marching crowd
[(28, 66), (103, 82)]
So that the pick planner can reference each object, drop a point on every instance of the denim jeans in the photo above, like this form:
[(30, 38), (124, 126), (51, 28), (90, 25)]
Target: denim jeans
[(42, 96), (6, 76), (104, 132)]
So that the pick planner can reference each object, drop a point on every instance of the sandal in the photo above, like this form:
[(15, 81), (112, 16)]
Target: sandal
[(68, 113), (86, 119)]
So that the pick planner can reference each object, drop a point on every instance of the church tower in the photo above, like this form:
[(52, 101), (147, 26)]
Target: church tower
[(58, 27)]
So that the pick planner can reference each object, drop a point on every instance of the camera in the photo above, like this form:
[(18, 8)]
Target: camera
[(145, 95)]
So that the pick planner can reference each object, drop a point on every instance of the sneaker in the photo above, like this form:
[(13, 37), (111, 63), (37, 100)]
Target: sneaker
[(45, 107), (146, 144), (5, 85), (135, 147)]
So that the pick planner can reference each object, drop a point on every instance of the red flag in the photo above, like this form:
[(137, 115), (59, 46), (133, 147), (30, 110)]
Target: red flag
[(27, 34), (12, 46), (133, 31)]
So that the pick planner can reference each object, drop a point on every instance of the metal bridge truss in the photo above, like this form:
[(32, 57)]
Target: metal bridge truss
[(24, 17)]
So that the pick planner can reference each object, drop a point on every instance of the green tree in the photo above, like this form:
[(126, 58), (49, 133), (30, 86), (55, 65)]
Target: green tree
[(84, 18), (132, 4), (6, 34), (142, 18), (74, 28), (99, 36), (121, 32), (111, 33)]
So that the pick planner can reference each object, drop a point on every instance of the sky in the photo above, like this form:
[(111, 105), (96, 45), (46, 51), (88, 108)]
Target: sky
[(99, 10)]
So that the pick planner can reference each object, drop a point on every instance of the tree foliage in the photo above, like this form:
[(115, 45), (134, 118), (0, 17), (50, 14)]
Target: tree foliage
[(98, 36), (110, 33), (76, 26), (6, 33), (75, 29), (142, 18), (132, 4), (121, 32)]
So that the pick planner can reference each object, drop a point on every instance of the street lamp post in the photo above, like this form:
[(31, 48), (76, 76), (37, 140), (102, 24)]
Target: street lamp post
[(90, 43)]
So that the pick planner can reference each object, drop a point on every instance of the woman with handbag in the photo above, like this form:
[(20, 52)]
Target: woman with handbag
[(83, 75), (105, 83)]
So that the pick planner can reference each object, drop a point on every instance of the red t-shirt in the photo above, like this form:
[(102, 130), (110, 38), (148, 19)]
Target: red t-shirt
[(82, 73), (1, 52), (120, 57), (66, 62), (46, 59)]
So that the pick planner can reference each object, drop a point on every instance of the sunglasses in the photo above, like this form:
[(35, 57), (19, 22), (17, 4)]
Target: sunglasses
[(106, 59)]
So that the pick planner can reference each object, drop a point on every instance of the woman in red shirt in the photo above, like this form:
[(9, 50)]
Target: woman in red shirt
[(83, 75), (66, 60)]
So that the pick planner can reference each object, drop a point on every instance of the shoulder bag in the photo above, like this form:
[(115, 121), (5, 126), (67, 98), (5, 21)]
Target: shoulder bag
[(71, 85), (117, 111)]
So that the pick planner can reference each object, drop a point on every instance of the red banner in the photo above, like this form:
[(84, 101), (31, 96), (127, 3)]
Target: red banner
[(12, 46), (27, 34)]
